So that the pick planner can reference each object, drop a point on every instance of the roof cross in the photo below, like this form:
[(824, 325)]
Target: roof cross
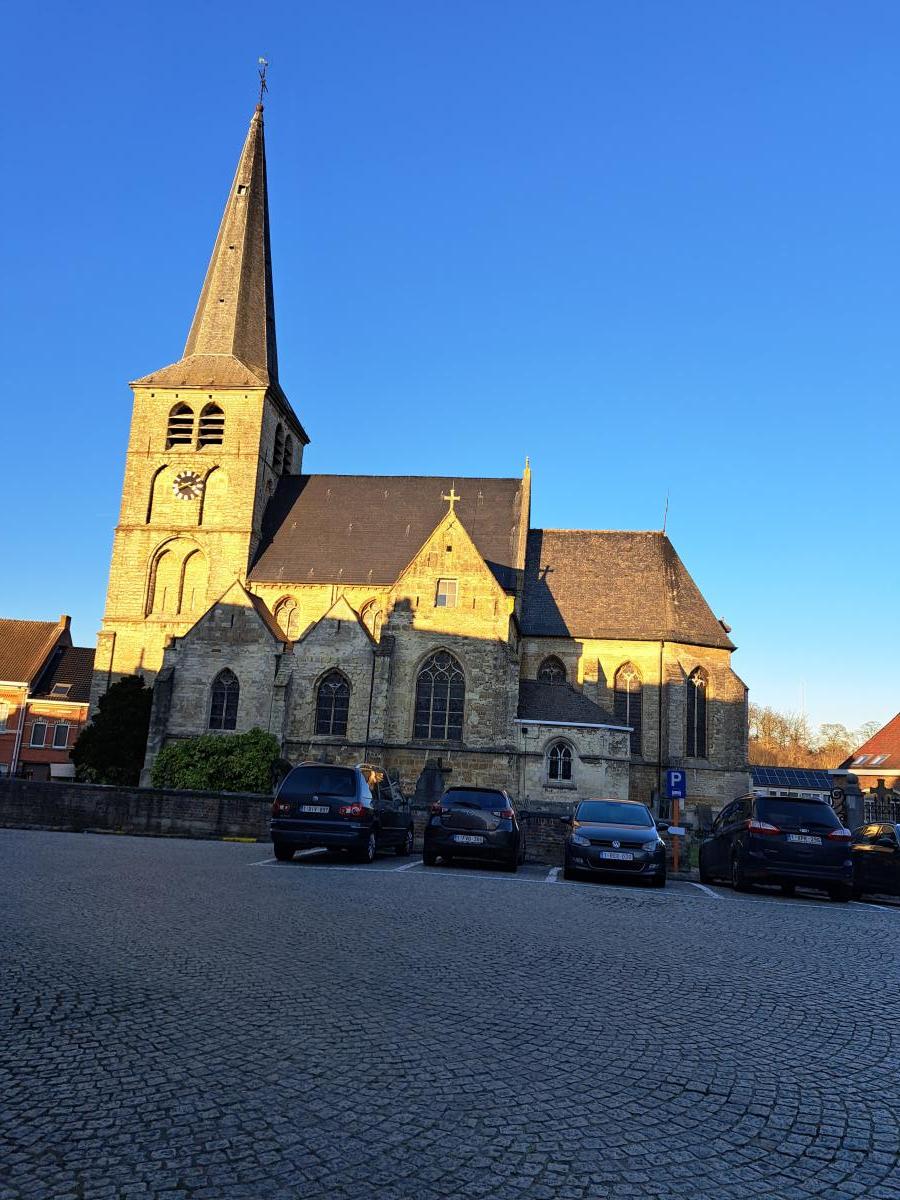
[(452, 498), (263, 65)]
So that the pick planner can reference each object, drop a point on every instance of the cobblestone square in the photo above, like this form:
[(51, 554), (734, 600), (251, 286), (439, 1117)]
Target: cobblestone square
[(190, 1019)]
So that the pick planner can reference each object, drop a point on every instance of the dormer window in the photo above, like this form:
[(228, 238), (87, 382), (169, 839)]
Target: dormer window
[(59, 691)]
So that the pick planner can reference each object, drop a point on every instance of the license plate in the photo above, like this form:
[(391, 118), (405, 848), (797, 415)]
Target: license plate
[(314, 808), (468, 839), (618, 855), (805, 838)]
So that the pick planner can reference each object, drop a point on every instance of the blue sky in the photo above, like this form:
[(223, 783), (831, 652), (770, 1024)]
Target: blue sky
[(652, 245)]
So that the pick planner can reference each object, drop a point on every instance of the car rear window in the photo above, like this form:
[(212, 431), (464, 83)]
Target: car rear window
[(791, 814), (470, 798), (614, 812), (332, 781)]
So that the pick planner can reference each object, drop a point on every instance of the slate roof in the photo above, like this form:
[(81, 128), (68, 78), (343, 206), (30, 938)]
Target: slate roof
[(25, 645), (69, 664), (805, 778), (560, 702), (613, 584), (365, 529), (880, 753)]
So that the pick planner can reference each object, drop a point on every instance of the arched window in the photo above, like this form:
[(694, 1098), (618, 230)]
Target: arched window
[(372, 616), (180, 430), (551, 670), (278, 449), (332, 704), (440, 697), (288, 617), (212, 426), (288, 464), (627, 699), (697, 688), (224, 701), (559, 762)]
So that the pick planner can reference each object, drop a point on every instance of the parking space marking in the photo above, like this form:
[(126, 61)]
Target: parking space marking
[(552, 875), (262, 862), (408, 866), (704, 888)]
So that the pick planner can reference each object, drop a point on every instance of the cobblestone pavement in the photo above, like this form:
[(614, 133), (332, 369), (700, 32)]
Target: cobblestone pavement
[(187, 1019)]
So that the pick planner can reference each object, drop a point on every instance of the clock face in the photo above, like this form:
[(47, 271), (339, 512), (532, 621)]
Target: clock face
[(187, 485)]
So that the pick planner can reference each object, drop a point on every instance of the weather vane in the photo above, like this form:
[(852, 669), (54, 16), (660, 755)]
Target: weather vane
[(263, 86)]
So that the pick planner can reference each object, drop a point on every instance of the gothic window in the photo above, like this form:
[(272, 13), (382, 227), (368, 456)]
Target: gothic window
[(447, 593), (559, 763), (627, 700), (440, 696), (180, 430), (224, 701), (278, 449), (332, 704), (212, 426), (551, 670), (287, 465), (697, 689), (288, 617)]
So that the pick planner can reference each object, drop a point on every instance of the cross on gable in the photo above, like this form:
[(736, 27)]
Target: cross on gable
[(452, 498)]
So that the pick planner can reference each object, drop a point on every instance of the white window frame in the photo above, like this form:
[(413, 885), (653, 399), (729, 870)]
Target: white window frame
[(442, 598), (4, 715), (41, 745), (64, 744)]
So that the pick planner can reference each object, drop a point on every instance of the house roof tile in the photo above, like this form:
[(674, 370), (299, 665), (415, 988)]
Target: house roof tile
[(72, 665), (25, 646)]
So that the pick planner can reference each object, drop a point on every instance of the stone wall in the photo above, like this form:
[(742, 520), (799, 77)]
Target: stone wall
[(157, 811)]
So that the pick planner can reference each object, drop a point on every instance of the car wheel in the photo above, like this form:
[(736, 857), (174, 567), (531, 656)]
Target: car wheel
[(447, 860), (788, 889), (429, 858), (705, 876), (367, 853), (522, 855), (570, 873), (282, 852), (658, 881), (839, 892), (857, 892), (738, 878), (512, 864), (406, 846)]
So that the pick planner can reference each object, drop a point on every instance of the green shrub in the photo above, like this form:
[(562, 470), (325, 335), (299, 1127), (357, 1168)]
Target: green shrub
[(238, 762)]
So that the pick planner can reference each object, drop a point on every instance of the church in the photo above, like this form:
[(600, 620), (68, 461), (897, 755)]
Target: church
[(415, 622)]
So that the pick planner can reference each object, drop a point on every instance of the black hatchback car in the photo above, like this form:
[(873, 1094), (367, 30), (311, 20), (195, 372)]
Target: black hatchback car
[(357, 809), (618, 838), (474, 822), (875, 850), (780, 840)]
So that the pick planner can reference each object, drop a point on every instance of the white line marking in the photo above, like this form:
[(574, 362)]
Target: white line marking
[(704, 888), (262, 862), (408, 866), (869, 904), (552, 875)]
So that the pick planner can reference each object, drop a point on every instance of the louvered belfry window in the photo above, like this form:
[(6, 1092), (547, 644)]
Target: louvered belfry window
[(440, 699), (332, 704), (627, 701), (697, 688), (224, 701), (212, 426), (278, 450), (180, 431)]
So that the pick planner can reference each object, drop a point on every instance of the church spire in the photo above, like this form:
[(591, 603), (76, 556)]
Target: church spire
[(232, 336)]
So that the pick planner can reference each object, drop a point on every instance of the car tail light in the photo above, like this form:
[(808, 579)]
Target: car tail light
[(839, 835), (757, 826), (351, 810), (437, 808), (506, 813), (280, 807)]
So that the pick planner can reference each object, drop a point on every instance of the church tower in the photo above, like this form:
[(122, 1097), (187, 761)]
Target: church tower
[(210, 436)]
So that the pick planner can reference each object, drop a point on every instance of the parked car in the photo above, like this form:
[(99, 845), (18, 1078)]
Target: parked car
[(615, 837), (875, 850), (474, 822), (357, 809), (780, 840)]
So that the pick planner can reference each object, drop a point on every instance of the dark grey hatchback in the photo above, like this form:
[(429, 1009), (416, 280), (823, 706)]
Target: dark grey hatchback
[(615, 837), (357, 809), (473, 822)]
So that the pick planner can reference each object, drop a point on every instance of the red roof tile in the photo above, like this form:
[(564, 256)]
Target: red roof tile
[(26, 645), (880, 753)]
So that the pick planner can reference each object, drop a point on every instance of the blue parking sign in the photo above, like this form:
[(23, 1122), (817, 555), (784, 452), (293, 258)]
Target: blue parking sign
[(676, 785)]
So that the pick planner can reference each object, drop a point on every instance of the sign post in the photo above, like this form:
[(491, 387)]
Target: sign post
[(676, 784)]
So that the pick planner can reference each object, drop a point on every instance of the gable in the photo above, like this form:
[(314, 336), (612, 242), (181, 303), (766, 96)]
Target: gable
[(237, 616)]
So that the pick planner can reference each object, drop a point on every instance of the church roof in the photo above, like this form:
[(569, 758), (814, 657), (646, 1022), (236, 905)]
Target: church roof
[(365, 529), (560, 703), (26, 645), (613, 584), (231, 342)]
